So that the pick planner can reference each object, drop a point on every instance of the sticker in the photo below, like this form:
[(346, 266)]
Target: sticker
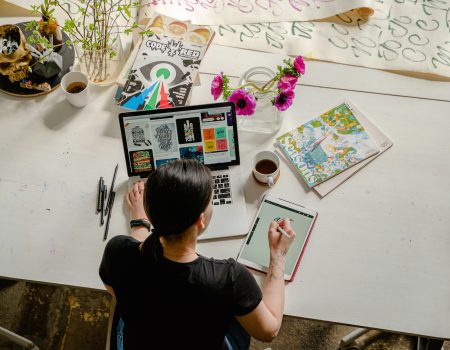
[(188, 130)]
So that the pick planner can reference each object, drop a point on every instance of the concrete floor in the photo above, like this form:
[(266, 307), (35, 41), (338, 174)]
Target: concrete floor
[(66, 318)]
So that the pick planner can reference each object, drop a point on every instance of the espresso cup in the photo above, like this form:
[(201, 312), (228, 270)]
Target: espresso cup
[(266, 167), (75, 86)]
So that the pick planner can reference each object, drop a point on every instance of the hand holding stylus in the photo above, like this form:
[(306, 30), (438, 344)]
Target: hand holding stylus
[(277, 241)]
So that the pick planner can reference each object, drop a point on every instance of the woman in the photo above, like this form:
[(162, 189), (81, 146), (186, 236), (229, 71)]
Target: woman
[(169, 296)]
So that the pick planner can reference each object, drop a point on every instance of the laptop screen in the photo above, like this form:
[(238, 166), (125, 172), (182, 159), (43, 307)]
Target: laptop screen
[(207, 133)]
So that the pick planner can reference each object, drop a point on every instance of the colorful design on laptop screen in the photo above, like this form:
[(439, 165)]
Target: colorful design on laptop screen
[(142, 161), (155, 139)]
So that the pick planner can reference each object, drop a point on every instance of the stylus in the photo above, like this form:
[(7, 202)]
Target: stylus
[(111, 190), (283, 232)]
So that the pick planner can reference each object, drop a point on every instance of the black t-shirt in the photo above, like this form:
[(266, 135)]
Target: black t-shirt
[(170, 305)]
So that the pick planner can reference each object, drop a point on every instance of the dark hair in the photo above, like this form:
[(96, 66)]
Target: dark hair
[(174, 197)]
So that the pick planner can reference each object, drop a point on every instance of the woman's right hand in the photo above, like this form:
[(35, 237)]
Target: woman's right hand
[(135, 201), (278, 242)]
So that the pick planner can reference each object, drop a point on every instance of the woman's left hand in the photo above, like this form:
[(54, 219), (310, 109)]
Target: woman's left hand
[(135, 201)]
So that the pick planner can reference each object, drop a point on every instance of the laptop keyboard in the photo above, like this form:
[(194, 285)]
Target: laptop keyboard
[(222, 190)]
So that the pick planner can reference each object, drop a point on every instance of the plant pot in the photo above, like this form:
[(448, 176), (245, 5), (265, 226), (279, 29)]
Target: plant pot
[(267, 118), (101, 66), (48, 27)]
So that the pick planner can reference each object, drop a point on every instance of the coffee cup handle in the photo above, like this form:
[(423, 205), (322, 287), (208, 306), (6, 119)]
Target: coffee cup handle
[(270, 181)]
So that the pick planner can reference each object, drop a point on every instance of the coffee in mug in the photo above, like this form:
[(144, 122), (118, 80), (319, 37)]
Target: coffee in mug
[(266, 167), (76, 87)]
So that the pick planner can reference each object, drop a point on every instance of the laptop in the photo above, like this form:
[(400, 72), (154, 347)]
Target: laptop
[(207, 133)]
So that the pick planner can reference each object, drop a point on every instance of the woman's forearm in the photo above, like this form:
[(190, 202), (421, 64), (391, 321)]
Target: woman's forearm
[(273, 289)]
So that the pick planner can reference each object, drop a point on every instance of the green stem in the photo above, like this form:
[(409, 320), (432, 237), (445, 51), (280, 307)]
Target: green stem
[(263, 89)]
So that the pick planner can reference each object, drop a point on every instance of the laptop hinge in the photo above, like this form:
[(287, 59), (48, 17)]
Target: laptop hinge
[(214, 167)]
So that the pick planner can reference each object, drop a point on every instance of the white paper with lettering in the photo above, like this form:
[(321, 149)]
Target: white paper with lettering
[(251, 11)]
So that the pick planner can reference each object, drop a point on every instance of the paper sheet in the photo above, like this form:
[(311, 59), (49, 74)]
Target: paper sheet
[(402, 35), (251, 11)]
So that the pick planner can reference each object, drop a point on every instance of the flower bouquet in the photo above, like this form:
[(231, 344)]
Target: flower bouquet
[(279, 88)]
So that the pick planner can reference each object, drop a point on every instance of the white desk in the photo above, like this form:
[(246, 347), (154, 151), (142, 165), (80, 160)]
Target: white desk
[(378, 257)]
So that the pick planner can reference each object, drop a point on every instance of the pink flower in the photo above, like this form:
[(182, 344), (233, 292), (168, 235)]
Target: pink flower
[(217, 86), (299, 65), (287, 82), (284, 99), (244, 101)]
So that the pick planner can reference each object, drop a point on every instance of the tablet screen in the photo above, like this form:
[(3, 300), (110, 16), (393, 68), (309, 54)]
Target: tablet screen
[(256, 248)]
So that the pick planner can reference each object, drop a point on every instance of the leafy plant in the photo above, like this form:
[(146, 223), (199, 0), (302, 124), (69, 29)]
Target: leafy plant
[(95, 29)]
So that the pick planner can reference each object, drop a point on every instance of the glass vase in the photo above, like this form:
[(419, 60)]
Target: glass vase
[(101, 66), (267, 118)]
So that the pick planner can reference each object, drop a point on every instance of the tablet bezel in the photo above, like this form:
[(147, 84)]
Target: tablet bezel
[(288, 204)]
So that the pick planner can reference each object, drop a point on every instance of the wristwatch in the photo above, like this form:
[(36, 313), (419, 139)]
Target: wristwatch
[(140, 222)]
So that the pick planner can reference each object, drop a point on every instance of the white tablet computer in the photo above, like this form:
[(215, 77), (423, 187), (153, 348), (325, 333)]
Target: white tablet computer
[(255, 250)]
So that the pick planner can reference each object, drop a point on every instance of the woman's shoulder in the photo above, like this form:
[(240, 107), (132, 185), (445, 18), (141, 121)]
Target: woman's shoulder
[(120, 243), (229, 266)]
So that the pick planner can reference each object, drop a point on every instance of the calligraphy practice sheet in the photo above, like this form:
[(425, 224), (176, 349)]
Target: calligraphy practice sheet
[(215, 12), (405, 35)]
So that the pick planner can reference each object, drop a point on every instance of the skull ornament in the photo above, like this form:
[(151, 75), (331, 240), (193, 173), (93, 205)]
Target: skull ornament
[(15, 64)]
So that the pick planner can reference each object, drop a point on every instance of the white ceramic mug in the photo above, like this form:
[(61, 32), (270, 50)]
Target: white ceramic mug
[(266, 167), (78, 99)]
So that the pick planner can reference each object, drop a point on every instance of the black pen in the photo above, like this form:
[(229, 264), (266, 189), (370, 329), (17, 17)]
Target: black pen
[(99, 194), (102, 221), (111, 190), (112, 196)]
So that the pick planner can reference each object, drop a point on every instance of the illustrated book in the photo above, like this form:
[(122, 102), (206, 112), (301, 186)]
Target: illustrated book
[(327, 145), (162, 74)]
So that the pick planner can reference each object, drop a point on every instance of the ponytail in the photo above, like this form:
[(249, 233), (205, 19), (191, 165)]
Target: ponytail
[(175, 195), (152, 246)]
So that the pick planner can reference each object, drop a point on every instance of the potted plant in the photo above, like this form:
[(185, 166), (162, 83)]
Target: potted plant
[(48, 25), (95, 33)]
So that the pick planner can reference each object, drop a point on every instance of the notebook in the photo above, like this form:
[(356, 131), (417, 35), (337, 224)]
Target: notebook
[(327, 145), (380, 138)]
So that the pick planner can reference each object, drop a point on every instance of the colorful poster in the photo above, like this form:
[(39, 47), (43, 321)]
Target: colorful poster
[(160, 162), (192, 152), (142, 161), (188, 130)]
